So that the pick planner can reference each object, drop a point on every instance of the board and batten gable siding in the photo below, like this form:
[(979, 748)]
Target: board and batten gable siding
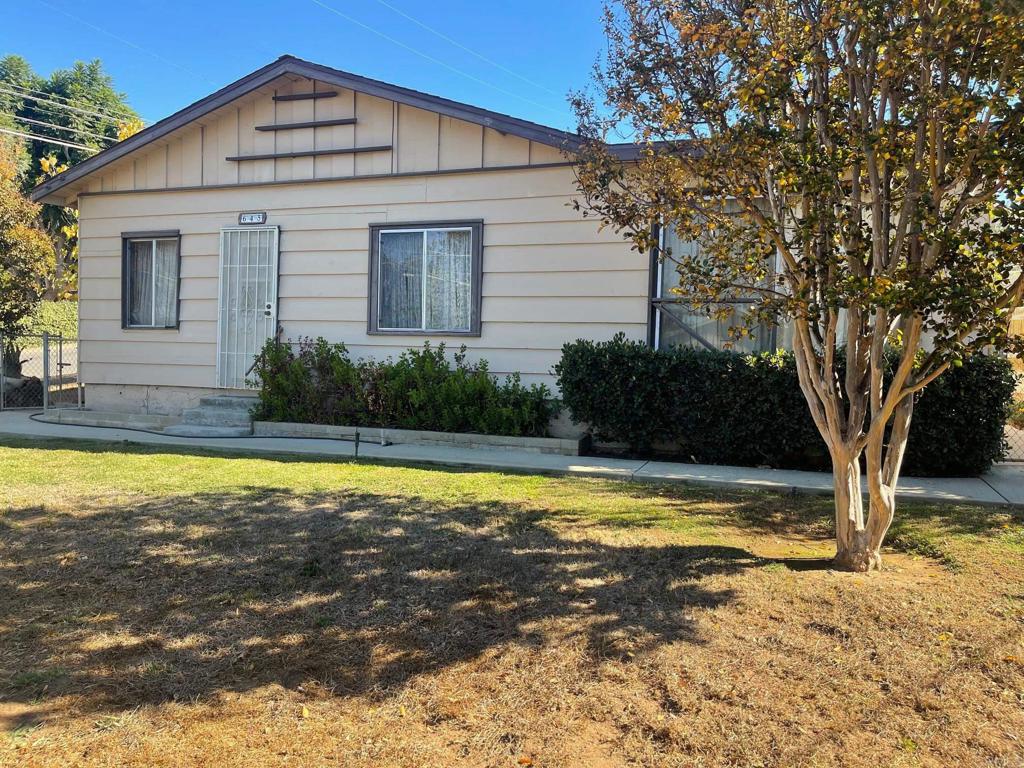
[(549, 275), (419, 141)]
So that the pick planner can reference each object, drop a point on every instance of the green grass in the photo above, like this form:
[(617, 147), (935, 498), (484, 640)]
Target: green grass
[(96, 469)]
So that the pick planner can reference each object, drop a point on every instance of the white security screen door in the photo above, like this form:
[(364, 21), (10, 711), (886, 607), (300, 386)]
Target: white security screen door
[(247, 314)]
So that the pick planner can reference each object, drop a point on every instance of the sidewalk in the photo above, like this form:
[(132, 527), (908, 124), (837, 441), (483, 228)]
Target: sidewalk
[(1003, 484)]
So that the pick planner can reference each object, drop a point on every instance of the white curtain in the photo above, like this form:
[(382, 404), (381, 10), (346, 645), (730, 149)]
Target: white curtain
[(166, 296), (153, 283), (449, 292), (400, 281), (140, 282)]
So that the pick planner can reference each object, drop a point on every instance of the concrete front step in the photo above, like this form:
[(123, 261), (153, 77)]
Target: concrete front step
[(200, 430), (216, 417), (232, 402)]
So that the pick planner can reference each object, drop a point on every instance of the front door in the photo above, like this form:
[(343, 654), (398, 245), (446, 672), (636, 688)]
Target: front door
[(247, 309)]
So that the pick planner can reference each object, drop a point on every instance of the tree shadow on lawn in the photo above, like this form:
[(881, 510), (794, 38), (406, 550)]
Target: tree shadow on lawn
[(183, 597)]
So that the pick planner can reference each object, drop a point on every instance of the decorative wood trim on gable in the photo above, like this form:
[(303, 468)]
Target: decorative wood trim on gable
[(307, 124), (311, 153), (304, 96)]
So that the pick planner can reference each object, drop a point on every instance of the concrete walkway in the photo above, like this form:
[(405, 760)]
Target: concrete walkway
[(1003, 484)]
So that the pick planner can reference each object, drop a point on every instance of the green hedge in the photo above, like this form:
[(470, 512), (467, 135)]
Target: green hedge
[(718, 407), (55, 317), (1017, 414), (315, 382)]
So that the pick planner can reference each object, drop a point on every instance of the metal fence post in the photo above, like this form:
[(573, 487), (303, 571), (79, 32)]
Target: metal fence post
[(60, 369), (46, 371)]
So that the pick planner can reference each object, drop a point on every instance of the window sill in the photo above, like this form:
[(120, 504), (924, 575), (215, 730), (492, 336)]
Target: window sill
[(474, 333)]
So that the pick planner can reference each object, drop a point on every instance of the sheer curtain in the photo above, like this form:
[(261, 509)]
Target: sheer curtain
[(400, 282), (165, 262), (449, 292), (140, 282)]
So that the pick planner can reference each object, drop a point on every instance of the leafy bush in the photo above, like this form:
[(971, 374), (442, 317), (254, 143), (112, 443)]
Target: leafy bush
[(55, 317), (959, 420), (706, 406), (719, 407), (319, 383), (1017, 414)]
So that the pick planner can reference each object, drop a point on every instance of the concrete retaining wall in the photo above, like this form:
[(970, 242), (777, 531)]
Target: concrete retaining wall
[(563, 446)]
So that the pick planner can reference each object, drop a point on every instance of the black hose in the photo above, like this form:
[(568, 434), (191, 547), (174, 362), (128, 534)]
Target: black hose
[(354, 439)]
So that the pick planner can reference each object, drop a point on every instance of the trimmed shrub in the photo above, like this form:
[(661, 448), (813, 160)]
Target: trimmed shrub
[(55, 317), (1017, 414), (319, 383), (959, 420), (719, 407)]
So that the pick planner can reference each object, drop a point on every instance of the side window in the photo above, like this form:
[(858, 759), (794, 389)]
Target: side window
[(425, 278), (149, 279)]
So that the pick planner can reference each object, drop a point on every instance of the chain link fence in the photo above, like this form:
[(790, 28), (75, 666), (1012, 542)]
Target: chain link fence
[(39, 372), (1015, 428)]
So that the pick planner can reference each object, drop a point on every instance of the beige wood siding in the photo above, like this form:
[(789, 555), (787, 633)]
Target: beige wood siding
[(549, 275), (420, 141)]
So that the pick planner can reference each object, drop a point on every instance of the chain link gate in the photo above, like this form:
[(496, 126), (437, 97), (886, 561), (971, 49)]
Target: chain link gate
[(39, 371)]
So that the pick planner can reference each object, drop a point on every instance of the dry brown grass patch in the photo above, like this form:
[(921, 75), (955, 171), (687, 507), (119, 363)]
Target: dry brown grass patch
[(585, 624)]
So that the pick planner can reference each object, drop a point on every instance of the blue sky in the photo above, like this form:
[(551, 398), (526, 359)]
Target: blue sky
[(522, 58)]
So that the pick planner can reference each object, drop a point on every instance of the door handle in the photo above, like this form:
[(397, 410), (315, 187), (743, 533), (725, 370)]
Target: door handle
[(268, 310)]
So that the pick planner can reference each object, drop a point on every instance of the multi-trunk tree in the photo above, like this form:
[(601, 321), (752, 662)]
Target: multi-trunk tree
[(854, 166)]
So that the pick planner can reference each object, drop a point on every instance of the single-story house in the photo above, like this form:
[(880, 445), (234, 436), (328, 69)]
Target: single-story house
[(307, 201)]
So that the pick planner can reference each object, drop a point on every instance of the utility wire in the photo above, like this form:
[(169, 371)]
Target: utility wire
[(468, 50), (123, 41), (121, 114), (64, 128), (42, 100), (430, 58), (48, 140)]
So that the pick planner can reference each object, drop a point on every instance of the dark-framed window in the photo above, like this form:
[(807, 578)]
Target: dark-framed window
[(425, 278), (150, 274), (675, 322)]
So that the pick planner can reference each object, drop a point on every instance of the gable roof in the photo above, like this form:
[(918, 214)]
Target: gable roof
[(291, 65)]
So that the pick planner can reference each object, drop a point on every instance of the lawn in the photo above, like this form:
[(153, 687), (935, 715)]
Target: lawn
[(163, 609)]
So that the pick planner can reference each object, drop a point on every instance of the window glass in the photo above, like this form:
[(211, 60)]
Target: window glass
[(449, 289), (401, 279), (425, 280), (680, 324), (152, 275), (140, 282)]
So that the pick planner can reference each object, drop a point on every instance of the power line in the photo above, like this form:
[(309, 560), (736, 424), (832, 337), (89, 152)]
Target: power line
[(48, 140), (123, 41), (430, 58), (467, 49), (113, 112), (64, 128), (40, 100)]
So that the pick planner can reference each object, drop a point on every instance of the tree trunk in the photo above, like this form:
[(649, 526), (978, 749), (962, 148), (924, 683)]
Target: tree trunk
[(857, 549)]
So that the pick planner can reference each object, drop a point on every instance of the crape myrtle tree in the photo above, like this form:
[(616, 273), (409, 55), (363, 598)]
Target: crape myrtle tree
[(855, 167)]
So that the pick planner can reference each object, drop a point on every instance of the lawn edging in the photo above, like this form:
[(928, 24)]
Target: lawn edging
[(553, 445)]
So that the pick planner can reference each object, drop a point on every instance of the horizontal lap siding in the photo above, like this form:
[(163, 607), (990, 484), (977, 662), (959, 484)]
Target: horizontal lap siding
[(549, 275)]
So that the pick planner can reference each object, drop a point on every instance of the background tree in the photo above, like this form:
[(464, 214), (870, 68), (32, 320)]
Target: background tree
[(81, 113), (26, 253), (855, 165)]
